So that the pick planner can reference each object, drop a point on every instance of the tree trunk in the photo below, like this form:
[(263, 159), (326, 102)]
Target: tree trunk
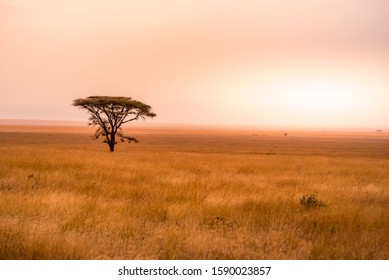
[(112, 143)]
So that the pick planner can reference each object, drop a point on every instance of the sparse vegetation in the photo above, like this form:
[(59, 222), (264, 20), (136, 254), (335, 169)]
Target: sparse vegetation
[(194, 195)]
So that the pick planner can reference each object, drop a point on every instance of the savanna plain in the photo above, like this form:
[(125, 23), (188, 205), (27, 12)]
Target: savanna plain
[(193, 194)]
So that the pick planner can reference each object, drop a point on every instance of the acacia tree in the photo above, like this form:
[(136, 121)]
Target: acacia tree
[(110, 112)]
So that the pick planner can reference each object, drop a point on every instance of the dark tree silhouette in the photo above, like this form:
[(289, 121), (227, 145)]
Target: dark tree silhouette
[(110, 112)]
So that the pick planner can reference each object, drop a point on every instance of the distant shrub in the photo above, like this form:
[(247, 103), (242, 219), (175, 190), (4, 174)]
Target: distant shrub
[(311, 202)]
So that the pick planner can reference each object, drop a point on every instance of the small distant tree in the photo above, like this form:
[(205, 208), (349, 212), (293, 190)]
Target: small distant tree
[(110, 112)]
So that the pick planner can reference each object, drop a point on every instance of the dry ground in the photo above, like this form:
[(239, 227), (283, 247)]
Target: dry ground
[(187, 194)]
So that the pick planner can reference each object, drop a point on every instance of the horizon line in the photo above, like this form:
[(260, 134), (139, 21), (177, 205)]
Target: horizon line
[(80, 123)]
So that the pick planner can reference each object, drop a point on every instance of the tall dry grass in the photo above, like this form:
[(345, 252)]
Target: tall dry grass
[(194, 195)]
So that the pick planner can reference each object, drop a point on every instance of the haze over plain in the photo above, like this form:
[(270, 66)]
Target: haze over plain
[(317, 64)]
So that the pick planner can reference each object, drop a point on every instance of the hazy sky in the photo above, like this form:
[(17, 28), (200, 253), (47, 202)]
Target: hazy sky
[(301, 63)]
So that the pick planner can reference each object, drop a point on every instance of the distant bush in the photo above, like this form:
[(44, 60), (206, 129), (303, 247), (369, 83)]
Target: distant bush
[(311, 202)]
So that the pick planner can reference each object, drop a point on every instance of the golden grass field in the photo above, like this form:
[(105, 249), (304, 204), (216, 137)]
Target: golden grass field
[(193, 194)]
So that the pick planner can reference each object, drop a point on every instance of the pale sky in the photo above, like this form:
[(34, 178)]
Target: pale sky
[(302, 63)]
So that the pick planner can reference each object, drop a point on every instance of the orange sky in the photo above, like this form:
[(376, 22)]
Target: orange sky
[(302, 63)]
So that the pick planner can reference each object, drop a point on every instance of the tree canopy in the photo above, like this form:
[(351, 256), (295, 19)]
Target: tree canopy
[(110, 112)]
